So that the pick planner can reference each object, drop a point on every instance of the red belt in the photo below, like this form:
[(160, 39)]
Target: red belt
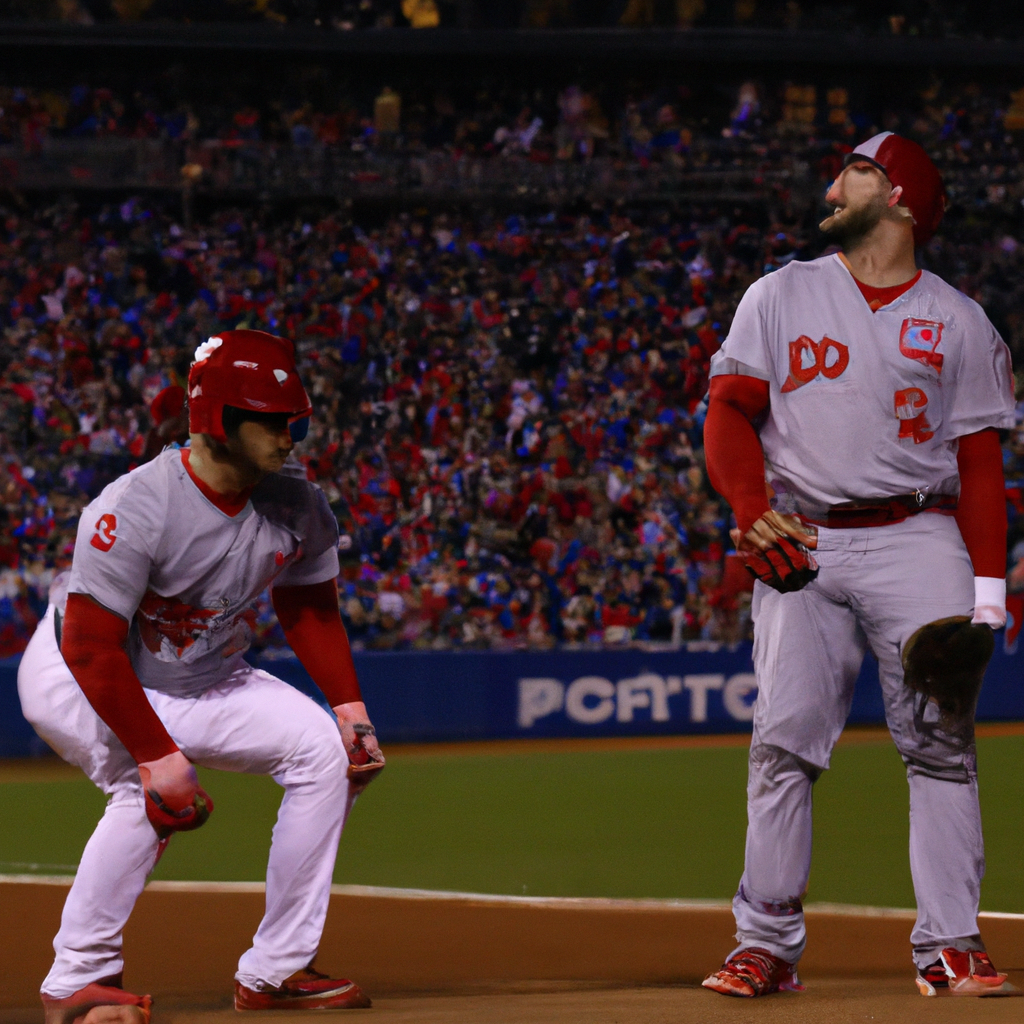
[(884, 513)]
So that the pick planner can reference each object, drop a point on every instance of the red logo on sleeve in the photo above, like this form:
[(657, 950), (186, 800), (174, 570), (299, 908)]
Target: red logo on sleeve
[(105, 535)]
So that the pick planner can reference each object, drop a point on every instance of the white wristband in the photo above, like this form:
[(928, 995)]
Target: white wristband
[(990, 590)]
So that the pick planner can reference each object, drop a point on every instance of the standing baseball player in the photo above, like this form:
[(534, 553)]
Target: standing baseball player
[(867, 395), (152, 629)]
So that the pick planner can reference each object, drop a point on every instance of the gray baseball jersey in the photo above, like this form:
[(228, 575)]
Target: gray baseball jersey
[(185, 574), (865, 405)]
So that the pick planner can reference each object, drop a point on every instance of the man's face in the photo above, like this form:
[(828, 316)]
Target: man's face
[(859, 198), (261, 446)]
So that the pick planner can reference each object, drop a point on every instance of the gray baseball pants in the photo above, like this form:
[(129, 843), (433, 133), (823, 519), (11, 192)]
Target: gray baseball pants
[(875, 587)]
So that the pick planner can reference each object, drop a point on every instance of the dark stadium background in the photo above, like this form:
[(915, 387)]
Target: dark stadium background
[(507, 247), (507, 243)]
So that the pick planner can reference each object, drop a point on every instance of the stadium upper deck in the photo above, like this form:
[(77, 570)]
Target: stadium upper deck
[(936, 18)]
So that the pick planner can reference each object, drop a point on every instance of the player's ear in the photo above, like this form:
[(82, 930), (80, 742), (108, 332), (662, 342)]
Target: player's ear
[(895, 195)]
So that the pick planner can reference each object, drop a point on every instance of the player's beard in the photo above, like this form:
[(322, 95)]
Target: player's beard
[(851, 227)]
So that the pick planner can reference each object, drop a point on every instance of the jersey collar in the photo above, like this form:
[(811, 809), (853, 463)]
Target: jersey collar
[(876, 298), (229, 504)]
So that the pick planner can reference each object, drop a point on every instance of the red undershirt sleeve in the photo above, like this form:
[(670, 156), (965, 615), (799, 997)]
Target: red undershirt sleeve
[(981, 514), (93, 644), (312, 625), (735, 458)]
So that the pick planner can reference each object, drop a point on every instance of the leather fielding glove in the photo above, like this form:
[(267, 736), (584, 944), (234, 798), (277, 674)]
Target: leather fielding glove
[(946, 661)]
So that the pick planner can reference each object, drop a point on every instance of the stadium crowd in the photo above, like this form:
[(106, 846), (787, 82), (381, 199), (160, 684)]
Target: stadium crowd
[(752, 125), (505, 411), (508, 408)]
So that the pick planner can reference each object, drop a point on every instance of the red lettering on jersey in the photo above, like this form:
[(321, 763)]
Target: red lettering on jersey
[(808, 358), (910, 405), (919, 339), (167, 617), (104, 537)]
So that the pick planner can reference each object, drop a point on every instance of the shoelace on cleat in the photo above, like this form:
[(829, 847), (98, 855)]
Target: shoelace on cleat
[(307, 976), (311, 974), (981, 966), (757, 969)]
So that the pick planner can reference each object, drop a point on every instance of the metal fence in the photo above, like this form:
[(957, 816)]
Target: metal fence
[(714, 172), (87, 163)]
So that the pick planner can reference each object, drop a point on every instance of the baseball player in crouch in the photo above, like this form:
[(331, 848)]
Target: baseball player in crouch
[(156, 617), (868, 396)]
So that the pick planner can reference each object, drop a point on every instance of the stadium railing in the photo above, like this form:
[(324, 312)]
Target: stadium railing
[(710, 46), (272, 170)]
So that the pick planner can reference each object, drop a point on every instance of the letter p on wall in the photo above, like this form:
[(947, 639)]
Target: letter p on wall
[(538, 698)]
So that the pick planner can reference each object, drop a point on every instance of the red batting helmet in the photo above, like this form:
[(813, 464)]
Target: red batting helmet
[(249, 370), (907, 165)]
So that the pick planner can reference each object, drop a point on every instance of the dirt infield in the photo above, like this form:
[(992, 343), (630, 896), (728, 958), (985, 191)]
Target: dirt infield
[(826, 1001), (497, 958)]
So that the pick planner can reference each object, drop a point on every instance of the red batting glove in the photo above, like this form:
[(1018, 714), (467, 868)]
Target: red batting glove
[(785, 566)]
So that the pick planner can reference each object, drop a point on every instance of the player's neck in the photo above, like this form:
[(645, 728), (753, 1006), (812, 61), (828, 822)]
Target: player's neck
[(218, 470), (882, 260)]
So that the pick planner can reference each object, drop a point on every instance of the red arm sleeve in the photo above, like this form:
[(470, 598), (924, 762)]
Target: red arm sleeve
[(93, 645), (312, 626), (735, 459), (981, 514)]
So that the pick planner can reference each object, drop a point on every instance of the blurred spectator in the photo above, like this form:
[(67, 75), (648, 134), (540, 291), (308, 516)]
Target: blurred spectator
[(636, 121), (421, 13), (508, 407), (387, 112), (643, 13)]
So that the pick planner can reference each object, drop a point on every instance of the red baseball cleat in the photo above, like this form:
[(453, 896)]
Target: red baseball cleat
[(963, 973), (754, 972), (304, 990), (108, 992)]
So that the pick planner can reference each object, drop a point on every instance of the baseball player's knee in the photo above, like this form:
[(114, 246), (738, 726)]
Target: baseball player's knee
[(773, 767), (953, 767), (927, 750)]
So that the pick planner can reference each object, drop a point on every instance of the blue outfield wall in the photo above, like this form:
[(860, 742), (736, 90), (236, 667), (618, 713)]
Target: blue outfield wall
[(477, 695)]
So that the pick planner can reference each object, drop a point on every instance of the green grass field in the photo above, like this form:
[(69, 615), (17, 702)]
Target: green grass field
[(655, 823)]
